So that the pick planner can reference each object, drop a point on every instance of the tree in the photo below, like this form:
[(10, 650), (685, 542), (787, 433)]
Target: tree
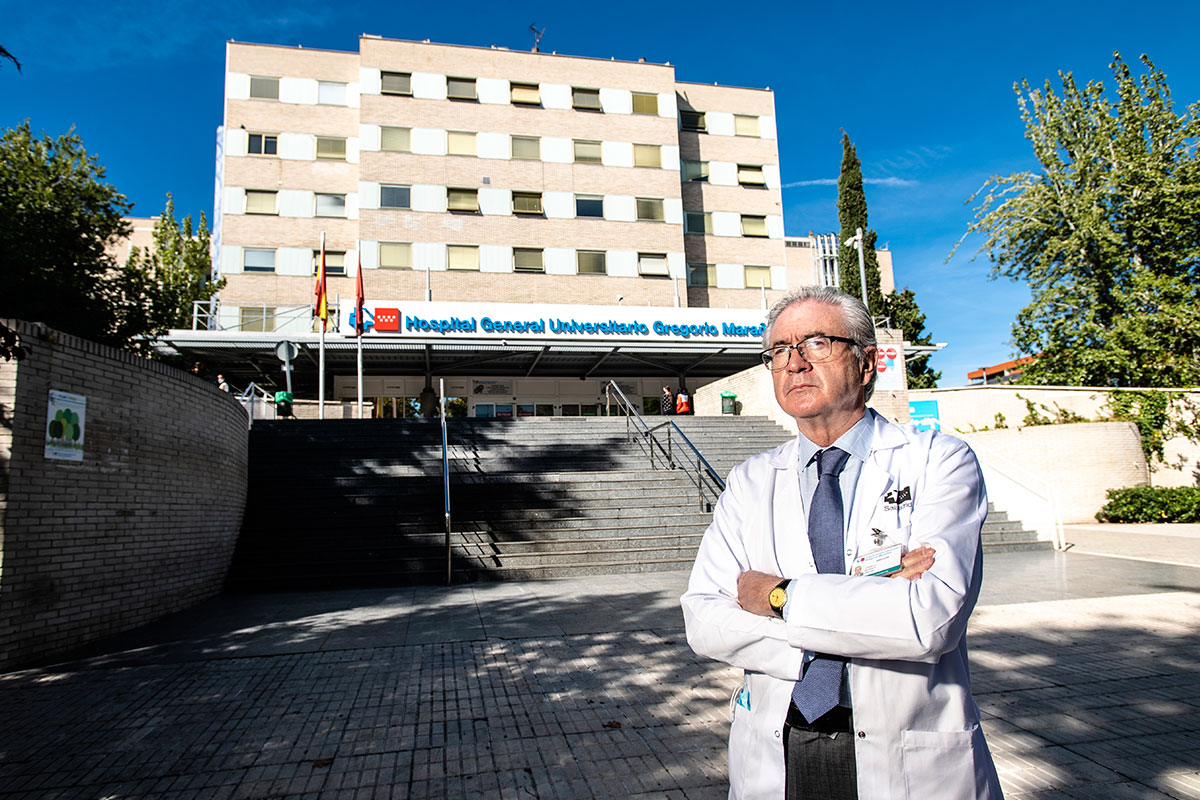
[(1106, 233), (899, 307), (852, 214), (7, 55), (902, 310), (57, 215), (160, 285)]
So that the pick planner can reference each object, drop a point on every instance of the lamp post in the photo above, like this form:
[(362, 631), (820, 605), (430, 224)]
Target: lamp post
[(857, 241)]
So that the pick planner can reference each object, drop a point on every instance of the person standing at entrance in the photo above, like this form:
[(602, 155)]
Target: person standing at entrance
[(683, 402), (668, 401), (856, 680)]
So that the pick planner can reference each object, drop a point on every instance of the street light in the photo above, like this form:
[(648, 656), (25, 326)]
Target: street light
[(857, 241)]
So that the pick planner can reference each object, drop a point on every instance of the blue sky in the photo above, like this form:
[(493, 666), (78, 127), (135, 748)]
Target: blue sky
[(924, 90)]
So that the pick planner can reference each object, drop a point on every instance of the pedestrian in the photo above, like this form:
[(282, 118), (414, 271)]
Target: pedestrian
[(851, 638), (668, 401), (683, 401), (221, 384)]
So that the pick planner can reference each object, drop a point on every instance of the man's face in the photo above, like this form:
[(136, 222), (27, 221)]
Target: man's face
[(827, 392)]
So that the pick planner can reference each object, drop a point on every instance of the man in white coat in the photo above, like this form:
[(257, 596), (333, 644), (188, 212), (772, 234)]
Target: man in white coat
[(878, 604)]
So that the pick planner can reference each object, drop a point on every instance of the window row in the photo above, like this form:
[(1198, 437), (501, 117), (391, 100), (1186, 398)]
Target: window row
[(464, 257), (502, 202), (497, 91)]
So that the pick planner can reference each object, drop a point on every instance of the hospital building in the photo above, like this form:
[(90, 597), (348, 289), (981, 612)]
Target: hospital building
[(528, 225)]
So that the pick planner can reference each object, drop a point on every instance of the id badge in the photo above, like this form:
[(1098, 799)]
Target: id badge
[(879, 563)]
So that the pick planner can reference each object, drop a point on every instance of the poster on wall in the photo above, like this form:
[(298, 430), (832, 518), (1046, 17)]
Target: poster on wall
[(923, 415), (889, 376), (65, 417), (484, 388)]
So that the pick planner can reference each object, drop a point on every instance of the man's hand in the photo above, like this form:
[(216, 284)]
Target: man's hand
[(753, 590), (915, 563)]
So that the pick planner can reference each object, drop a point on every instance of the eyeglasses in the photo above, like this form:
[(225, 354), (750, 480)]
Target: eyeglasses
[(812, 350)]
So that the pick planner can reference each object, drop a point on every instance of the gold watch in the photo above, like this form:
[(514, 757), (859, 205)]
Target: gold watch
[(778, 597)]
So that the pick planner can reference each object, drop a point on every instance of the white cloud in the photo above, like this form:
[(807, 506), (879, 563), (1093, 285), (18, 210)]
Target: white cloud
[(867, 181)]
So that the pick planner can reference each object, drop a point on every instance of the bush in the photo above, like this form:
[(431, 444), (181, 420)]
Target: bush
[(1152, 504)]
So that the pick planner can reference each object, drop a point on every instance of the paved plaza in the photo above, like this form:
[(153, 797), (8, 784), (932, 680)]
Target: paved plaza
[(1086, 667)]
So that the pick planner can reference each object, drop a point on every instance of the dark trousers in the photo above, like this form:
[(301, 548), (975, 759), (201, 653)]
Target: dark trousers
[(820, 756)]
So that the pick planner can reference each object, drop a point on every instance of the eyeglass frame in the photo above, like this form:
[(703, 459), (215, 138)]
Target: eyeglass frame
[(767, 357)]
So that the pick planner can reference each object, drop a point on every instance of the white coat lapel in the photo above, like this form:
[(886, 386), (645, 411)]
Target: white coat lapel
[(873, 482), (792, 552)]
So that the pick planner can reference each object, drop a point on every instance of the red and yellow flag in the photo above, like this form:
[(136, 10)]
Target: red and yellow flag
[(321, 309), (358, 298)]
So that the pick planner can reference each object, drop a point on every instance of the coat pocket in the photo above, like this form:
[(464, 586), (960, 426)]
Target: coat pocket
[(940, 764)]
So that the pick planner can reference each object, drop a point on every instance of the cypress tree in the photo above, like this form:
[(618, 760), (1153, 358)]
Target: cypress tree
[(852, 214)]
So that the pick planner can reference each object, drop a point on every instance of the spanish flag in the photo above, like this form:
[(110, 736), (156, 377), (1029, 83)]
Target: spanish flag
[(321, 309)]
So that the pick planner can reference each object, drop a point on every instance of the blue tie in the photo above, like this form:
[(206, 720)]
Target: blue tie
[(821, 687)]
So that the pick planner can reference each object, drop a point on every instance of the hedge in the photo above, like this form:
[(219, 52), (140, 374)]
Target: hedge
[(1152, 504)]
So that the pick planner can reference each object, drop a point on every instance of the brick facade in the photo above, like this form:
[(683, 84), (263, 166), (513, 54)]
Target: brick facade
[(143, 527)]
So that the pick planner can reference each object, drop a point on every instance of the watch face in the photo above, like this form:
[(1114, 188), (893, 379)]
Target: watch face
[(777, 598)]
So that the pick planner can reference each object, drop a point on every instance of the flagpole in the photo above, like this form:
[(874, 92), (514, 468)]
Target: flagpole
[(358, 327), (321, 348)]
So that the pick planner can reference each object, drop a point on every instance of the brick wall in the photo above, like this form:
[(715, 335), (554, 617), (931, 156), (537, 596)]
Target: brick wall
[(143, 527)]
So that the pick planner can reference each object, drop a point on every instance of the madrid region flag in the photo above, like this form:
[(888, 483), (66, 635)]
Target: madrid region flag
[(387, 319)]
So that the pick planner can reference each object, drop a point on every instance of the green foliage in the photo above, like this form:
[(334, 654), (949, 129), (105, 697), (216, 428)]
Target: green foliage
[(1059, 415), (852, 214), (1001, 421), (901, 308), (1152, 504), (1105, 233), (56, 218), (4, 54), (1159, 416), (164, 282)]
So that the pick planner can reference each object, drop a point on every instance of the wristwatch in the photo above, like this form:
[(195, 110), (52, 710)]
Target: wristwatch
[(778, 597)]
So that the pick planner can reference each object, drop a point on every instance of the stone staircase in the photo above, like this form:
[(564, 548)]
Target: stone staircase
[(347, 503)]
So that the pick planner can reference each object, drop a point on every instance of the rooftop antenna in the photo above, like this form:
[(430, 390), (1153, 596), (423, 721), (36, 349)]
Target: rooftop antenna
[(537, 36)]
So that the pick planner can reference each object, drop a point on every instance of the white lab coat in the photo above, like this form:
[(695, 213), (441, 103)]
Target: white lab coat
[(917, 733)]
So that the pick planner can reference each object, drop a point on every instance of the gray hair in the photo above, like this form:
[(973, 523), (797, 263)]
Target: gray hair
[(859, 325)]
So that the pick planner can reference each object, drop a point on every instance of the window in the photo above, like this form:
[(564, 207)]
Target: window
[(650, 208), (263, 144), (587, 151), (331, 94), (591, 262), (395, 196), (526, 147), (525, 94), (256, 259), (758, 277), (461, 89), (692, 121), (462, 200), (645, 103), (751, 175), (395, 140), (585, 99), (754, 226), (652, 264), (264, 88), (462, 256), (694, 170), (256, 318), (335, 262), (528, 259), (697, 222), (701, 275), (395, 83), (647, 155), (745, 125), (395, 255), (260, 202), (589, 205), (331, 205), (331, 148), (527, 202), (460, 143)]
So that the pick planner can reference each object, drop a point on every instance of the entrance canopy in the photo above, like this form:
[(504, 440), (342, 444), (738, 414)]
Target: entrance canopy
[(492, 339)]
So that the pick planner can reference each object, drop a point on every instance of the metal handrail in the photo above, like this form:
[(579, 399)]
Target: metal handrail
[(1028, 481), (445, 476), (704, 478), (246, 398)]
